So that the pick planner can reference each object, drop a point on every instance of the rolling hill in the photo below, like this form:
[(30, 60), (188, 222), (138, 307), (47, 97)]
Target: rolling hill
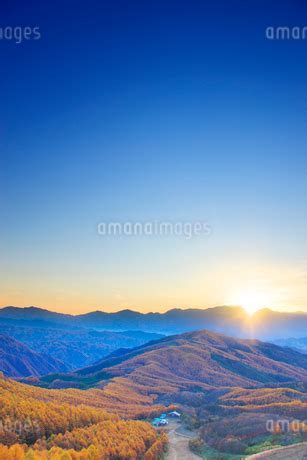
[(220, 383), (18, 360), (191, 362)]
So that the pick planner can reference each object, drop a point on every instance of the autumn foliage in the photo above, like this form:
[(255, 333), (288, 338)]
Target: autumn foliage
[(39, 424)]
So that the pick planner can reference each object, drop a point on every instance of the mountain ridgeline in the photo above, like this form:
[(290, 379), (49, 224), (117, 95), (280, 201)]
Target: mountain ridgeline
[(264, 325), (194, 361)]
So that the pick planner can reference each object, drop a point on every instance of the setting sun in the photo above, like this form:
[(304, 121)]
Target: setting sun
[(252, 301)]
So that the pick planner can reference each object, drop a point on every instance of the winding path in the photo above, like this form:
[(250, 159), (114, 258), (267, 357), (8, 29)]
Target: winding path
[(179, 446)]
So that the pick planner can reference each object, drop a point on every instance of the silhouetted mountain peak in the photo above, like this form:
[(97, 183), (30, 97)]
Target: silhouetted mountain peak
[(228, 320)]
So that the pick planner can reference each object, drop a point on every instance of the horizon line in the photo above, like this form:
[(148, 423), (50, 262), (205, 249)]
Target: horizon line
[(154, 312)]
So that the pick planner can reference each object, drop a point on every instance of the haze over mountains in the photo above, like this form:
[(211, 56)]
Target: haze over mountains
[(75, 347), (264, 324), (299, 344)]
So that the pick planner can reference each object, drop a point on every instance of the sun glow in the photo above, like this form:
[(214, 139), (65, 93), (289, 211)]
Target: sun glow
[(253, 301)]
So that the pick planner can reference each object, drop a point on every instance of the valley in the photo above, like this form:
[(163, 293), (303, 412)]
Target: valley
[(226, 388)]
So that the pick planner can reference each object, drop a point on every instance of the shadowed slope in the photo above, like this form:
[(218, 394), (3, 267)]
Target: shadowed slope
[(18, 360)]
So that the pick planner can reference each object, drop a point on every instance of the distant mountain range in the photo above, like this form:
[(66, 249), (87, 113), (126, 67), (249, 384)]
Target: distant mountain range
[(62, 348), (18, 360), (265, 324), (299, 344)]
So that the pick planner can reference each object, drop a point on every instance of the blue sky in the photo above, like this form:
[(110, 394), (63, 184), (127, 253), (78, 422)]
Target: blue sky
[(176, 111)]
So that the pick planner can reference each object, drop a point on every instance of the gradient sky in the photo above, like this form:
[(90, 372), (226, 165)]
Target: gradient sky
[(141, 111)]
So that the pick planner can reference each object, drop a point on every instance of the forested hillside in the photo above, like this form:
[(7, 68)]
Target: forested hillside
[(198, 360), (221, 383), (42, 424)]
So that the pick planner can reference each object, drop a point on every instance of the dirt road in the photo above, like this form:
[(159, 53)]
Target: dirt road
[(179, 445), (298, 452)]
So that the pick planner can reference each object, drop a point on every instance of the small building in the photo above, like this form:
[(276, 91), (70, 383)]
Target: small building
[(174, 414), (156, 422), (163, 422), (160, 422)]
